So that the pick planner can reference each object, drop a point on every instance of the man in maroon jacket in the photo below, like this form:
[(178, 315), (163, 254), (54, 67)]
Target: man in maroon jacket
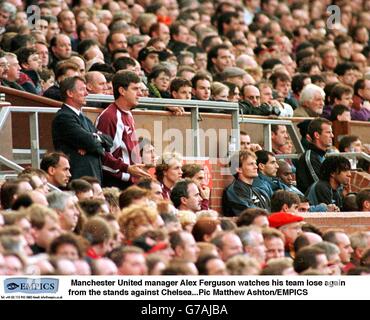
[(123, 162)]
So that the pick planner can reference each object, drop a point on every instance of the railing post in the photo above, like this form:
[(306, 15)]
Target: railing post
[(236, 127), (35, 143), (267, 137), (195, 131)]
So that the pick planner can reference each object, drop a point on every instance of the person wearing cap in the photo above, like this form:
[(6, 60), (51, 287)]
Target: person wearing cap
[(290, 225), (234, 75), (134, 44), (240, 194), (148, 57)]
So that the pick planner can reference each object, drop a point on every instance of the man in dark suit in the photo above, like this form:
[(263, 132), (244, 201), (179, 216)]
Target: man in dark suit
[(75, 135)]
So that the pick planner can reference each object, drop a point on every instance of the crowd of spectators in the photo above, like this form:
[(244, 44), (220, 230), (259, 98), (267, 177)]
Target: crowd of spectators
[(118, 208)]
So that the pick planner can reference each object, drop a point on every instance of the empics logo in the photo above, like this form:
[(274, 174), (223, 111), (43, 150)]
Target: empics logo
[(28, 285)]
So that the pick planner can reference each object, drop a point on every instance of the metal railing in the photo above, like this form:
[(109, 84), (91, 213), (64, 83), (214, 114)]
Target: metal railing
[(34, 127), (17, 168), (267, 131), (193, 105)]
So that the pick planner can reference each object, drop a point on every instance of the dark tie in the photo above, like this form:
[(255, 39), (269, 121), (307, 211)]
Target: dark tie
[(84, 122)]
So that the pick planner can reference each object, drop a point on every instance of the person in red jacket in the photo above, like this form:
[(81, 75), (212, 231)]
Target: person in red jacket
[(123, 162)]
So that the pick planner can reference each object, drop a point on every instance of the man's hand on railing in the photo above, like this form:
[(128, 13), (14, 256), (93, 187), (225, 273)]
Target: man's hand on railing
[(177, 111)]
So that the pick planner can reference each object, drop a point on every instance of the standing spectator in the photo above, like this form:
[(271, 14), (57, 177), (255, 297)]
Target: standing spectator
[(85, 152), (123, 162)]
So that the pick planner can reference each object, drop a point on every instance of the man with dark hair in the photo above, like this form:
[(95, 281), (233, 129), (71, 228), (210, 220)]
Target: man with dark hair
[(363, 200), (219, 58), (240, 194), (185, 195), (279, 137), (56, 165), (311, 259), (361, 98), (201, 87), (308, 166), (123, 161), (179, 37), (350, 143), (75, 135), (61, 49), (81, 188), (228, 21), (334, 173), (285, 201), (180, 88), (340, 112), (267, 168), (340, 94)]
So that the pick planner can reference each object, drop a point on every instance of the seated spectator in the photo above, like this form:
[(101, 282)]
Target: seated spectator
[(81, 188), (129, 260), (340, 94), (340, 112), (56, 165), (245, 143), (267, 169), (45, 226), (201, 84), (159, 82), (285, 201), (334, 175), (228, 245), (65, 204), (311, 259), (67, 246), (196, 173), (168, 171), (363, 200), (211, 265), (311, 102), (240, 195), (185, 196), (180, 89), (205, 228), (253, 216), (274, 243), (99, 234), (219, 91), (291, 227), (133, 195), (30, 63), (361, 100)]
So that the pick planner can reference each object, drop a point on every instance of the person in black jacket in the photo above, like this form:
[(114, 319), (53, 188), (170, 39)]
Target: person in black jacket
[(308, 166), (335, 173), (75, 135), (240, 194)]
